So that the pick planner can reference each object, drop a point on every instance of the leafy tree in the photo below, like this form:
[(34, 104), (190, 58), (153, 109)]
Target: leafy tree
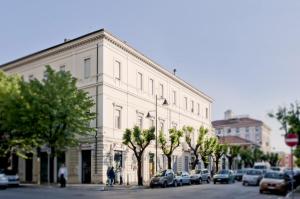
[(56, 110), (168, 146), (247, 157), (273, 159), (257, 155), (189, 132), (207, 148), (219, 151), (233, 152), (289, 118), (13, 139), (138, 140)]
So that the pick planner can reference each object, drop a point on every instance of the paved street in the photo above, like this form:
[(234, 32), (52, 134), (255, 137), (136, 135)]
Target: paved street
[(207, 191)]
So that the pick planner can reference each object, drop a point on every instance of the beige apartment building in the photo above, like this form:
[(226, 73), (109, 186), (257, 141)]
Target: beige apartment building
[(124, 83), (253, 130)]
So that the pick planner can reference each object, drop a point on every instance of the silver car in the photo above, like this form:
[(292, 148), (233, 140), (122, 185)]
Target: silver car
[(164, 178), (12, 177), (3, 181), (183, 178), (252, 176)]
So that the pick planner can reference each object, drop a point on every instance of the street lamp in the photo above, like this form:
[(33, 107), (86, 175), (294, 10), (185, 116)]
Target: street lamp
[(165, 103)]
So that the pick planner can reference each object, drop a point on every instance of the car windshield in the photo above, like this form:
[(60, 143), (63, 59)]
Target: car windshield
[(253, 172), (161, 173), (260, 167), (10, 172), (275, 168), (223, 172), (274, 175), (179, 173), (239, 171), (197, 171)]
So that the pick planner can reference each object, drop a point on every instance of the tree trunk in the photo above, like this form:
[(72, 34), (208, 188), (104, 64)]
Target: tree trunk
[(169, 162), (139, 172), (195, 162), (230, 162), (217, 164)]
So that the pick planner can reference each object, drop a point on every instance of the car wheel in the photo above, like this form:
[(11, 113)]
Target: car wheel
[(214, 182), (261, 191), (228, 181), (151, 186), (190, 182), (181, 183), (164, 185), (200, 181), (208, 180), (175, 183)]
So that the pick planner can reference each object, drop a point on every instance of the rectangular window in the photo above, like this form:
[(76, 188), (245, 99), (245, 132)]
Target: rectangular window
[(185, 103), (229, 130), (117, 70), (198, 109), (161, 90), (237, 130), (62, 68), (87, 68), (140, 121), (118, 119), (151, 85), (140, 81), (206, 113), (174, 97), (247, 129), (192, 106)]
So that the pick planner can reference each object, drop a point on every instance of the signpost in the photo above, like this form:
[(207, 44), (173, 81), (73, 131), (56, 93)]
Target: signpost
[(291, 139)]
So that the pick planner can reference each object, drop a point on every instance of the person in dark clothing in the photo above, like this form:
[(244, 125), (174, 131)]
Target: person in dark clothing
[(111, 175)]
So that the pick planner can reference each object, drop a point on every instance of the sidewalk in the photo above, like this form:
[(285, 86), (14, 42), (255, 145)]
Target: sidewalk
[(94, 187), (296, 193)]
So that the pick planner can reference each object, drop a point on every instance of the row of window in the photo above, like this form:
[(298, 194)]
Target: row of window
[(139, 121), (237, 130)]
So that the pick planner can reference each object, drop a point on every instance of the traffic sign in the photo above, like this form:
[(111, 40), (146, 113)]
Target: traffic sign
[(291, 139)]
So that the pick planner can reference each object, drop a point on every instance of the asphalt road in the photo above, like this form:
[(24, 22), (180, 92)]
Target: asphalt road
[(206, 191)]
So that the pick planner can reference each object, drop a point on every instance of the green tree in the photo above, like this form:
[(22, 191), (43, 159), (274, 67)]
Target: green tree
[(13, 139), (168, 146), (206, 149), (56, 110), (258, 155), (189, 133), (247, 157), (232, 153), (219, 151), (289, 118), (273, 159), (138, 140)]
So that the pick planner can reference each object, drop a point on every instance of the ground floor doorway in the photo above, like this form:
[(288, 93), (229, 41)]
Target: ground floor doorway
[(86, 166)]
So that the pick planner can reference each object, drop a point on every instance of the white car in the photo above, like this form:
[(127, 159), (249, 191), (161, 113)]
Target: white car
[(12, 177), (252, 176), (3, 181)]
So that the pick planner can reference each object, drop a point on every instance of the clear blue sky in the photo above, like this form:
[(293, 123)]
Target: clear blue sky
[(244, 54)]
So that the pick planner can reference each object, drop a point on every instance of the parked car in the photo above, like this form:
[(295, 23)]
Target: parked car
[(164, 178), (275, 168), (275, 182), (3, 181), (252, 176), (224, 175), (196, 176), (239, 174), (12, 177), (183, 177), (205, 175)]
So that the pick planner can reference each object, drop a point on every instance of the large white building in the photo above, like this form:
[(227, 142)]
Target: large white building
[(245, 127), (124, 83)]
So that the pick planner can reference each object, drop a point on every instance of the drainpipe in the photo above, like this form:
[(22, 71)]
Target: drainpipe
[(96, 135)]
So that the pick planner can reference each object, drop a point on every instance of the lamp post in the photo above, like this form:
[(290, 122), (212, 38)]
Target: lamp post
[(165, 103)]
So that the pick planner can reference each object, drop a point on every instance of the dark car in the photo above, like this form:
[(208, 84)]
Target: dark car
[(239, 174), (224, 175)]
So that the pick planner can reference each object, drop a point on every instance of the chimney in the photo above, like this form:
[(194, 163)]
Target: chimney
[(228, 114), (174, 71)]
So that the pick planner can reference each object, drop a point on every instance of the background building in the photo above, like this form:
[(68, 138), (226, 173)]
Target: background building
[(244, 127), (124, 84)]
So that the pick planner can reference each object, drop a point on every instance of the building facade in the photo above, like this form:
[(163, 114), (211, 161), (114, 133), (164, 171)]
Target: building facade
[(124, 84), (247, 128)]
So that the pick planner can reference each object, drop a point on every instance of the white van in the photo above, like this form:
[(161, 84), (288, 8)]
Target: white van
[(262, 165)]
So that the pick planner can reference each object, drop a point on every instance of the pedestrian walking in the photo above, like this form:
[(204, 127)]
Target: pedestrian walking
[(63, 175), (107, 175), (111, 175)]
